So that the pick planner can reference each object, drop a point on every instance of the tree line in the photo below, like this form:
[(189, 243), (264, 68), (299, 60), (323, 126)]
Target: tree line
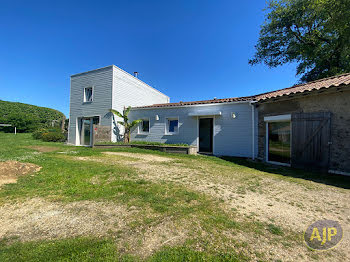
[(28, 118)]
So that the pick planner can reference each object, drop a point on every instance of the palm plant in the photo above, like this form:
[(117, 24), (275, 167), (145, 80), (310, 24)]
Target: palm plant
[(127, 126)]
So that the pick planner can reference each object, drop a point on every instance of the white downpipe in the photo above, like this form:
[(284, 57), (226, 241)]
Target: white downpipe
[(253, 128)]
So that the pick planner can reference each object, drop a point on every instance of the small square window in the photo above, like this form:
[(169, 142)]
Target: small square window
[(88, 94), (144, 126), (172, 125)]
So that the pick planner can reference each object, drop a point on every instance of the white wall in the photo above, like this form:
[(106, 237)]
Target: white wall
[(101, 81), (232, 137), (131, 91)]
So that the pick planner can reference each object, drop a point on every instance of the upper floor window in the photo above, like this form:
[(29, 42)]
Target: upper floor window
[(88, 95), (172, 125), (144, 126)]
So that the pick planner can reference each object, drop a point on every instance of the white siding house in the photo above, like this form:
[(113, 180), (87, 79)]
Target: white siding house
[(232, 126), (219, 126), (111, 88)]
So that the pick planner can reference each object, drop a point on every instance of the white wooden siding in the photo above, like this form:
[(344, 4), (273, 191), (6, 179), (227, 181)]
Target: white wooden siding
[(112, 88), (232, 137), (101, 81), (131, 91)]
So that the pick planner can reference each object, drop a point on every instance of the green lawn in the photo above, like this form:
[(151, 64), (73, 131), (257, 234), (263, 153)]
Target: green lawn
[(175, 207)]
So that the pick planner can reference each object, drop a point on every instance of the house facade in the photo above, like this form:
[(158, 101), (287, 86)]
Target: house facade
[(218, 127), (94, 93), (305, 125)]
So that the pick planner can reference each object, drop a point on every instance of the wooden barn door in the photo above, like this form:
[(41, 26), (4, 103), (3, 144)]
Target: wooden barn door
[(311, 139)]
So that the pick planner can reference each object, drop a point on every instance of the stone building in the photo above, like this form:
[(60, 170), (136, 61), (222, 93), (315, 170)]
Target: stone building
[(307, 125)]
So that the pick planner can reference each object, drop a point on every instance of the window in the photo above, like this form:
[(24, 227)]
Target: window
[(172, 126), (144, 126), (96, 120), (88, 94), (279, 142)]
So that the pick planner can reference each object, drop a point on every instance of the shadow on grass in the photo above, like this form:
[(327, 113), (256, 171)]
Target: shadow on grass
[(318, 177)]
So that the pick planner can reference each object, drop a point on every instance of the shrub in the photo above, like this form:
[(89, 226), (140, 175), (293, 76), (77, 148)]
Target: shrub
[(38, 134), (53, 137), (49, 135)]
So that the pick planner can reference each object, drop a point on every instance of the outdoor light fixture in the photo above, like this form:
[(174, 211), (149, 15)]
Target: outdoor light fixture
[(157, 117), (234, 115)]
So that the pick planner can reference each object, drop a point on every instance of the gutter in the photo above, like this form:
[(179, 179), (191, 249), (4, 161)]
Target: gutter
[(251, 103)]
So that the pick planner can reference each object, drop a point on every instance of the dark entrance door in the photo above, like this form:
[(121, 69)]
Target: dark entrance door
[(311, 140), (206, 135)]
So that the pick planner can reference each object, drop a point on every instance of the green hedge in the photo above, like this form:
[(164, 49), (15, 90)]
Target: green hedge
[(49, 135)]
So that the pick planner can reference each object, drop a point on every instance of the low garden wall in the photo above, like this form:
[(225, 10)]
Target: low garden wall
[(190, 150)]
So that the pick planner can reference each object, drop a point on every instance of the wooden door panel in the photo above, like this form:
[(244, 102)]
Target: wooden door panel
[(310, 140)]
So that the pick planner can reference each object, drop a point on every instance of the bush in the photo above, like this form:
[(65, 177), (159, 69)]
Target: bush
[(53, 137), (38, 134), (49, 135)]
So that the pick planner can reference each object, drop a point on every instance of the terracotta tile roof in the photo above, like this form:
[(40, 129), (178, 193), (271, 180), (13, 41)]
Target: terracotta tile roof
[(212, 101), (333, 81)]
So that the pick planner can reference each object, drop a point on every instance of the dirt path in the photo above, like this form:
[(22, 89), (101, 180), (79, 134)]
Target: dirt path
[(290, 205)]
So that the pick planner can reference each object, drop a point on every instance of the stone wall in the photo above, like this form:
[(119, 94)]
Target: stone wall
[(337, 102), (101, 134)]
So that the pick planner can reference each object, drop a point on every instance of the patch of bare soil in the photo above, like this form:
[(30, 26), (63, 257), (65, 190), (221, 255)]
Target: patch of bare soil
[(144, 157), (153, 237), (283, 203), (37, 219), (44, 149), (11, 170), (40, 219)]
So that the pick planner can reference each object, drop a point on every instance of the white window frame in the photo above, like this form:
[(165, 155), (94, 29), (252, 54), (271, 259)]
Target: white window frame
[(271, 119), (92, 94), (140, 131), (167, 125)]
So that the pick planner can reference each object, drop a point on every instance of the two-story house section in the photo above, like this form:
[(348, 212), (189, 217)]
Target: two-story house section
[(94, 93)]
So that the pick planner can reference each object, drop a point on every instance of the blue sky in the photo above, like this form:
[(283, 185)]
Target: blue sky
[(190, 50)]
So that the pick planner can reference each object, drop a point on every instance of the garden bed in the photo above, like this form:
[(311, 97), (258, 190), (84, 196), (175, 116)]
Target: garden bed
[(189, 150)]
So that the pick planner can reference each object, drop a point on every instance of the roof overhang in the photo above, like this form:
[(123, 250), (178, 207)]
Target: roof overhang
[(213, 113)]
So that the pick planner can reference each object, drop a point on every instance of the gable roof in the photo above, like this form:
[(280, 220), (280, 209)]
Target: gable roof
[(328, 82), (334, 81)]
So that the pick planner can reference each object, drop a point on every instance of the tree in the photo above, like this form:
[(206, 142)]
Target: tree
[(127, 126), (313, 33)]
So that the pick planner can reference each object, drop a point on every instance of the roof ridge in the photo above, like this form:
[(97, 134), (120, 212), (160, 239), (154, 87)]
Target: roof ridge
[(304, 84)]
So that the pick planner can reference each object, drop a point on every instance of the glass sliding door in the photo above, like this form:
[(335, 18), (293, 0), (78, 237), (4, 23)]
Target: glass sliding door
[(279, 146), (86, 132)]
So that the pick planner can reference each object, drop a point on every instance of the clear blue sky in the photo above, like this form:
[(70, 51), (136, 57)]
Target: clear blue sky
[(190, 50)]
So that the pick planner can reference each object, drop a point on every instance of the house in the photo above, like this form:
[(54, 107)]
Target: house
[(93, 93), (302, 126), (219, 126), (307, 125)]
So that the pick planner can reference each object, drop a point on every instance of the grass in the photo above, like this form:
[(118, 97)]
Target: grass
[(63, 179), (94, 250), (211, 230), (276, 230), (79, 249)]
